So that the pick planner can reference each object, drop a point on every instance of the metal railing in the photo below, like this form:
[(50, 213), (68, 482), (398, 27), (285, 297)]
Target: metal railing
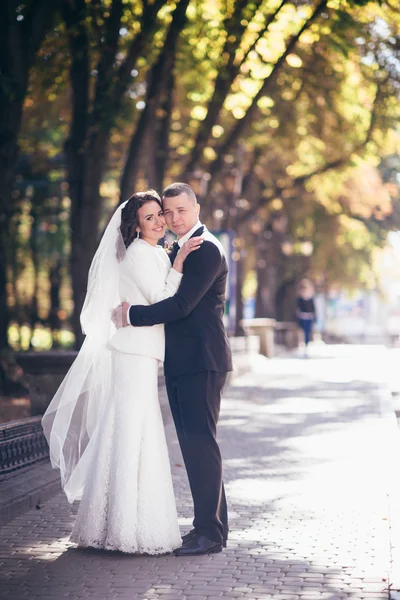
[(22, 443)]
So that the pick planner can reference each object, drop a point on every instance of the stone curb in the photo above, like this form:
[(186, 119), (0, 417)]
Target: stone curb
[(392, 477), (26, 489)]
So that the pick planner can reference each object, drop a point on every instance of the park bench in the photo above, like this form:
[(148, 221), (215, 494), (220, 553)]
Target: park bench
[(264, 329)]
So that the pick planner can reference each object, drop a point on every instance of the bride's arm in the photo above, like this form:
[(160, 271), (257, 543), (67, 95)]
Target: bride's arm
[(146, 273), (145, 269)]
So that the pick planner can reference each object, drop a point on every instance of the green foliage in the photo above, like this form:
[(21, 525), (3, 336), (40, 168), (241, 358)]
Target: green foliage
[(321, 145)]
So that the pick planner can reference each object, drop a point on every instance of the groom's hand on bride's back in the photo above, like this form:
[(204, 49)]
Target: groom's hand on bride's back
[(120, 315)]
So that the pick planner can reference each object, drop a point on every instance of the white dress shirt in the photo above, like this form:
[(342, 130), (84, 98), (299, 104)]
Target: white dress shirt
[(189, 234)]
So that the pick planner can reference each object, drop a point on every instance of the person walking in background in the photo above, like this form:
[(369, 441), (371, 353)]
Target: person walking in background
[(305, 311)]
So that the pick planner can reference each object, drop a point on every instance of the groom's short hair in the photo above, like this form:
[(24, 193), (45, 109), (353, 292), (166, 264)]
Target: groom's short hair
[(178, 188)]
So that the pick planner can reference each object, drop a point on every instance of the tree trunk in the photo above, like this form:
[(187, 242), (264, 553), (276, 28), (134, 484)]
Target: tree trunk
[(159, 138), (266, 290), (37, 203), (10, 119), (92, 121), (20, 41), (291, 270), (4, 314), (85, 218), (55, 300), (239, 297), (269, 267), (160, 77), (286, 301)]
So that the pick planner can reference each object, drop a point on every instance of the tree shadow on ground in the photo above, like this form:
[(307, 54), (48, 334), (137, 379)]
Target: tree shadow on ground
[(248, 570), (258, 563)]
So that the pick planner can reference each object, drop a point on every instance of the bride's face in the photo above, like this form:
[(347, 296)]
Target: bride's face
[(151, 222)]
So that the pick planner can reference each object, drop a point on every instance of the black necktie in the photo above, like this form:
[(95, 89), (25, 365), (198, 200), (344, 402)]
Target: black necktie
[(174, 251)]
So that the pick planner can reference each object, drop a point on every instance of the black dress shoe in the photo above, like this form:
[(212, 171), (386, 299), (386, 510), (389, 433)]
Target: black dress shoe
[(188, 536), (197, 546)]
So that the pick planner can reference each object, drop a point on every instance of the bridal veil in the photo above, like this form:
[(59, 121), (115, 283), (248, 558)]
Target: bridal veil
[(71, 422)]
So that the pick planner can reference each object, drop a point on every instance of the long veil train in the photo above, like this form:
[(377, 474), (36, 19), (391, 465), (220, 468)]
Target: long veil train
[(72, 419)]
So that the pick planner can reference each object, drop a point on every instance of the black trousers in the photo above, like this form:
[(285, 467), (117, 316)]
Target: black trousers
[(195, 403)]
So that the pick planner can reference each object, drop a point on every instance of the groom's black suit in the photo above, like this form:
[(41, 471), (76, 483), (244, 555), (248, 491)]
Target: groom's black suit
[(197, 359)]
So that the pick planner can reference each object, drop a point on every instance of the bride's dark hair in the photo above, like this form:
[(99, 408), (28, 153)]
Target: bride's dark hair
[(129, 214)]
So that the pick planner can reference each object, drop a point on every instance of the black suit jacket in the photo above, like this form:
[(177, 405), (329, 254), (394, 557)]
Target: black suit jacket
[(195, 336)]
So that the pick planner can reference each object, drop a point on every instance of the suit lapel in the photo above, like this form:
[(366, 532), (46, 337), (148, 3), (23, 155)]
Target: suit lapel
[(175, 248), (198, 231), (174, 252)]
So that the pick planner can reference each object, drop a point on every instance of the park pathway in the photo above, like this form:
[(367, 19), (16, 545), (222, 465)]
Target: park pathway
[(308, 448)]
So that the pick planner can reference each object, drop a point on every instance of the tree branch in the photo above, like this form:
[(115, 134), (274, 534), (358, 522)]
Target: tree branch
[(105, 66), (123, 75), (157, 81), (330, 165), (226, 76), (261, 34), (37, 21), (74, 13), (238, 129)]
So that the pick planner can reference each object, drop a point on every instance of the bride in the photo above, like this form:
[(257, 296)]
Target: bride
[(104, 425)]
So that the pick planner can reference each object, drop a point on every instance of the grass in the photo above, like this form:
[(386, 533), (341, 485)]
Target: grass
[(42, 338)]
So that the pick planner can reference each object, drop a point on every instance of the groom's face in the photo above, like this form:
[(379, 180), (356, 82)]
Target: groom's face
[(181, 214)]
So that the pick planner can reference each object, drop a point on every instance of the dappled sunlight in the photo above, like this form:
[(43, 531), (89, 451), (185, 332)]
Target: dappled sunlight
[(305, 482), (254, 491), (44, 550), (233, 422), (307, 462)]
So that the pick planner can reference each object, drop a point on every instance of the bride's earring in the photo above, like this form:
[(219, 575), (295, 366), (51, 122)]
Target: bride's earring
[(137, 234)]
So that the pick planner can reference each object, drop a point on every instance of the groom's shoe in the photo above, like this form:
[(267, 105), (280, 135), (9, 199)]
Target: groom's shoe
[(188, 536), (198, 545)]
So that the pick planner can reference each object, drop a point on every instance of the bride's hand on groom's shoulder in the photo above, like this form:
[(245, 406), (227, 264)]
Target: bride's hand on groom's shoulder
[(190, 246), (187, 248), (119, 315)]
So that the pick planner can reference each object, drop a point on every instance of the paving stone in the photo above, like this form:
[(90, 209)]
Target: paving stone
[(303, 444)]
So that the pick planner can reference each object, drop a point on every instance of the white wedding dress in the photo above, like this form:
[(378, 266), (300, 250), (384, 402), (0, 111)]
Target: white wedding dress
[(121, 471), (128, 501)]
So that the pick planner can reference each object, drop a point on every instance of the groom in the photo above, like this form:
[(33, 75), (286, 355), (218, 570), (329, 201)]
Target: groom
[(197, 360)]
